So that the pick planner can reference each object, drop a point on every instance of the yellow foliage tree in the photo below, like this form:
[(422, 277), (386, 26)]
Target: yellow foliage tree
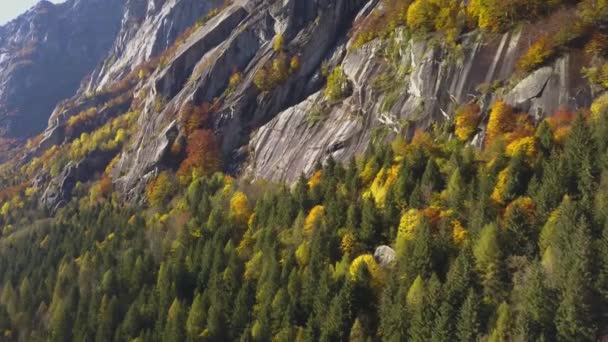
[(239, 207), (498, 193), (382, 183), (467, 119), (347, 245), (526, 145), (407, 226), (278, 42), (337, 85), (459, 233), (159, 189), (523, 205), (375, 271), (537, 54), (303, 253), (315, 179), (315, 217), (421, 15), (599, 106)]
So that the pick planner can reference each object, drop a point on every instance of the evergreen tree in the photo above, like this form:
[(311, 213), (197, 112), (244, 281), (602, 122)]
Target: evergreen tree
[(371, 224), (456, 191), (196, 317), (176, 323), (467, 328), (488, 256)]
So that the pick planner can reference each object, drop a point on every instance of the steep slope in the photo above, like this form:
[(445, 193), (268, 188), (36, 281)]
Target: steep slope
[(267, 89), (45, 54), (148, 28), (425, 84)]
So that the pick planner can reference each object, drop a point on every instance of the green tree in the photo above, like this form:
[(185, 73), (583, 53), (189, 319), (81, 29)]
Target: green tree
[(467, 328), (176, 323), (196, 317), (488, 256)]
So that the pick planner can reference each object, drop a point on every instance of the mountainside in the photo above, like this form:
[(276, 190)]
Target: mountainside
[(304, 170), (264, 99), (45, 54)]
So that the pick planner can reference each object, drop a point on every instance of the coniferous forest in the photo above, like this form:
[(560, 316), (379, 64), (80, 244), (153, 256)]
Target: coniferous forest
[(506, 243), (487, 223)]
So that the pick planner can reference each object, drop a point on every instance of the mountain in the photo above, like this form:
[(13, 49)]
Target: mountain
[(44, 56), (270, 118), (303, 156)]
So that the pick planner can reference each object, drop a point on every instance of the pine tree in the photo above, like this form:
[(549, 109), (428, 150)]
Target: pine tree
[(357, 334), (370, 231), (574, 316), (545, 137), (602, 252), (456, 191), (467, 328), (442, 325), (338, 320), (432, 180), (488, 256), (176, 323), (416, 302), (196, 317), (501, 330)]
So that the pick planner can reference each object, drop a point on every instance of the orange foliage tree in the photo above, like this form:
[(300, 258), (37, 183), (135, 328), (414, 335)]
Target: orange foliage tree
[(194, 117), (202, 156), (560, 123)]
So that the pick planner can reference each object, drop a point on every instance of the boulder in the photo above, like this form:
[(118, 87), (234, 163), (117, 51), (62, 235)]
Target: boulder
[(384, 256)]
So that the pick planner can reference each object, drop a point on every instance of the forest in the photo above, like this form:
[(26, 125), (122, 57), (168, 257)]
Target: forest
[(508, 242), (491, 225)]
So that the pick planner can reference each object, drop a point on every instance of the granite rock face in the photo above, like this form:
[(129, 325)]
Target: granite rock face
[(434, 84), (148, 28), (239, 38), (44, 55), (395, 86)]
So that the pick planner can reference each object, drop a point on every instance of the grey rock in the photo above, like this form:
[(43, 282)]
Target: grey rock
[(148, 28), (531, 87), (438, 82), (278, 134), (384, 256), (58, 192)]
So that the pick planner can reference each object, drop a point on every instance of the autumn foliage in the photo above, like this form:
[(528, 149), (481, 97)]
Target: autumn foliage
[(381, 22), (541, 50), (194, 117), (315, 217), (421, 15), (467, 119), (159, 189), (560, 123), (501, 121), (202, 156), (239, 207)]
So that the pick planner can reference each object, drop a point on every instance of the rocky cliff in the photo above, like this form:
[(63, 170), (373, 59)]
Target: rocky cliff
[(44, 56), (263, 64)]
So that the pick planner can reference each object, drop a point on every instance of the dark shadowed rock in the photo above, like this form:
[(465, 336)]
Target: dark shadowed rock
[(44, 55)]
